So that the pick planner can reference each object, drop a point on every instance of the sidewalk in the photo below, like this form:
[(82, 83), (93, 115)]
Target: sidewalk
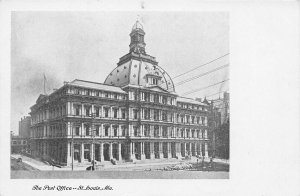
[(134, 165)]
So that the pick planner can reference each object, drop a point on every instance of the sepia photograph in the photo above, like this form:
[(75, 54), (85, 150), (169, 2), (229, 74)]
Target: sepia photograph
[(120, 94)]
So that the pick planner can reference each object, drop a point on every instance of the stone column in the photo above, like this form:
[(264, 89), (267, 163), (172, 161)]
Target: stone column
[(119, 152), (110, 150), (101, 152), (169, 150), (152, 150), (161, 155), (119, 131), (82, 153), (111, 113), (68, 108), (92, 109), (129, 151), (206, 150), (82, 129), (119, 113), (102, 111), (200, 150), (110, 131), (178, 150), (142, 150), (82, 109), (186, 149), (132, 151), (69, 153)]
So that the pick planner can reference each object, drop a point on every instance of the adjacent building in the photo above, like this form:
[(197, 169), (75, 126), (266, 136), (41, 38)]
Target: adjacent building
[(24, 127), (135, 114)]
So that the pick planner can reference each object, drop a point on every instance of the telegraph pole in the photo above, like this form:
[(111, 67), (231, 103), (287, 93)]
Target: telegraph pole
[(93, 140), (72, 149)]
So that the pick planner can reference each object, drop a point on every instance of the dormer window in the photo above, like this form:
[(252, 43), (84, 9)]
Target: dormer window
[(153, 79)]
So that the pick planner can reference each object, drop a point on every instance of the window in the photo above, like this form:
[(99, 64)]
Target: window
[(87, 111), (123, 113), (147, 130), (87, 151), (193, 119), (106, 130), (77, 131), (87, 130), (188, 119), (97, 130), (115, 131), (147, 97), (134, 95), (182, 132), (97, 110), (156, 131), (156, 98), (164, 116), (123, 131), (164, 100), (147, 113), (115, 96), (115, 112), (198, 120), (135, 131), (135, 114), (88, 92), (77, 110), (182, 119), (76, 91), (97, 93), (156, 114), (203, 120), (106, 112), (165, 131)]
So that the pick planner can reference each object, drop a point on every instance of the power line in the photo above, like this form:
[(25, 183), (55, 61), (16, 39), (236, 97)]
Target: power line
[(201, 75), (196, 67), (200, 66), (216, 93), (200, 89)]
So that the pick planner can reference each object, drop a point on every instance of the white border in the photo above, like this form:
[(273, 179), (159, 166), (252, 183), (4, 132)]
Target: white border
[(264, 85)]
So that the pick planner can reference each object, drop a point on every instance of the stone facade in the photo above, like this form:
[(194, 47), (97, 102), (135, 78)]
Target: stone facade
[(135, 115)]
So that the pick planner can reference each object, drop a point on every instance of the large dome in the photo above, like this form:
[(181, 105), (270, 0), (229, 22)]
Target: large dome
[(137, 67), (136, 72)]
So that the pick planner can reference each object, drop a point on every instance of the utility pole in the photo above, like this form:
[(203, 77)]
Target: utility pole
[(93, 140), (72, 148)]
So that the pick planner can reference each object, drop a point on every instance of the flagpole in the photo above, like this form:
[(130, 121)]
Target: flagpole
[(44, 84)]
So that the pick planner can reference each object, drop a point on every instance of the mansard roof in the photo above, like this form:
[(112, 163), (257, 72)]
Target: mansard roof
[(190, 101), (95, 85)]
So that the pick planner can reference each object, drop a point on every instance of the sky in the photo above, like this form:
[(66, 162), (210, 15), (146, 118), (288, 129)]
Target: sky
[(65, 46)]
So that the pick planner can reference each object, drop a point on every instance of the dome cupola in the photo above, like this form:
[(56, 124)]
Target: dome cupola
[(138, 68), (137, 43)]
